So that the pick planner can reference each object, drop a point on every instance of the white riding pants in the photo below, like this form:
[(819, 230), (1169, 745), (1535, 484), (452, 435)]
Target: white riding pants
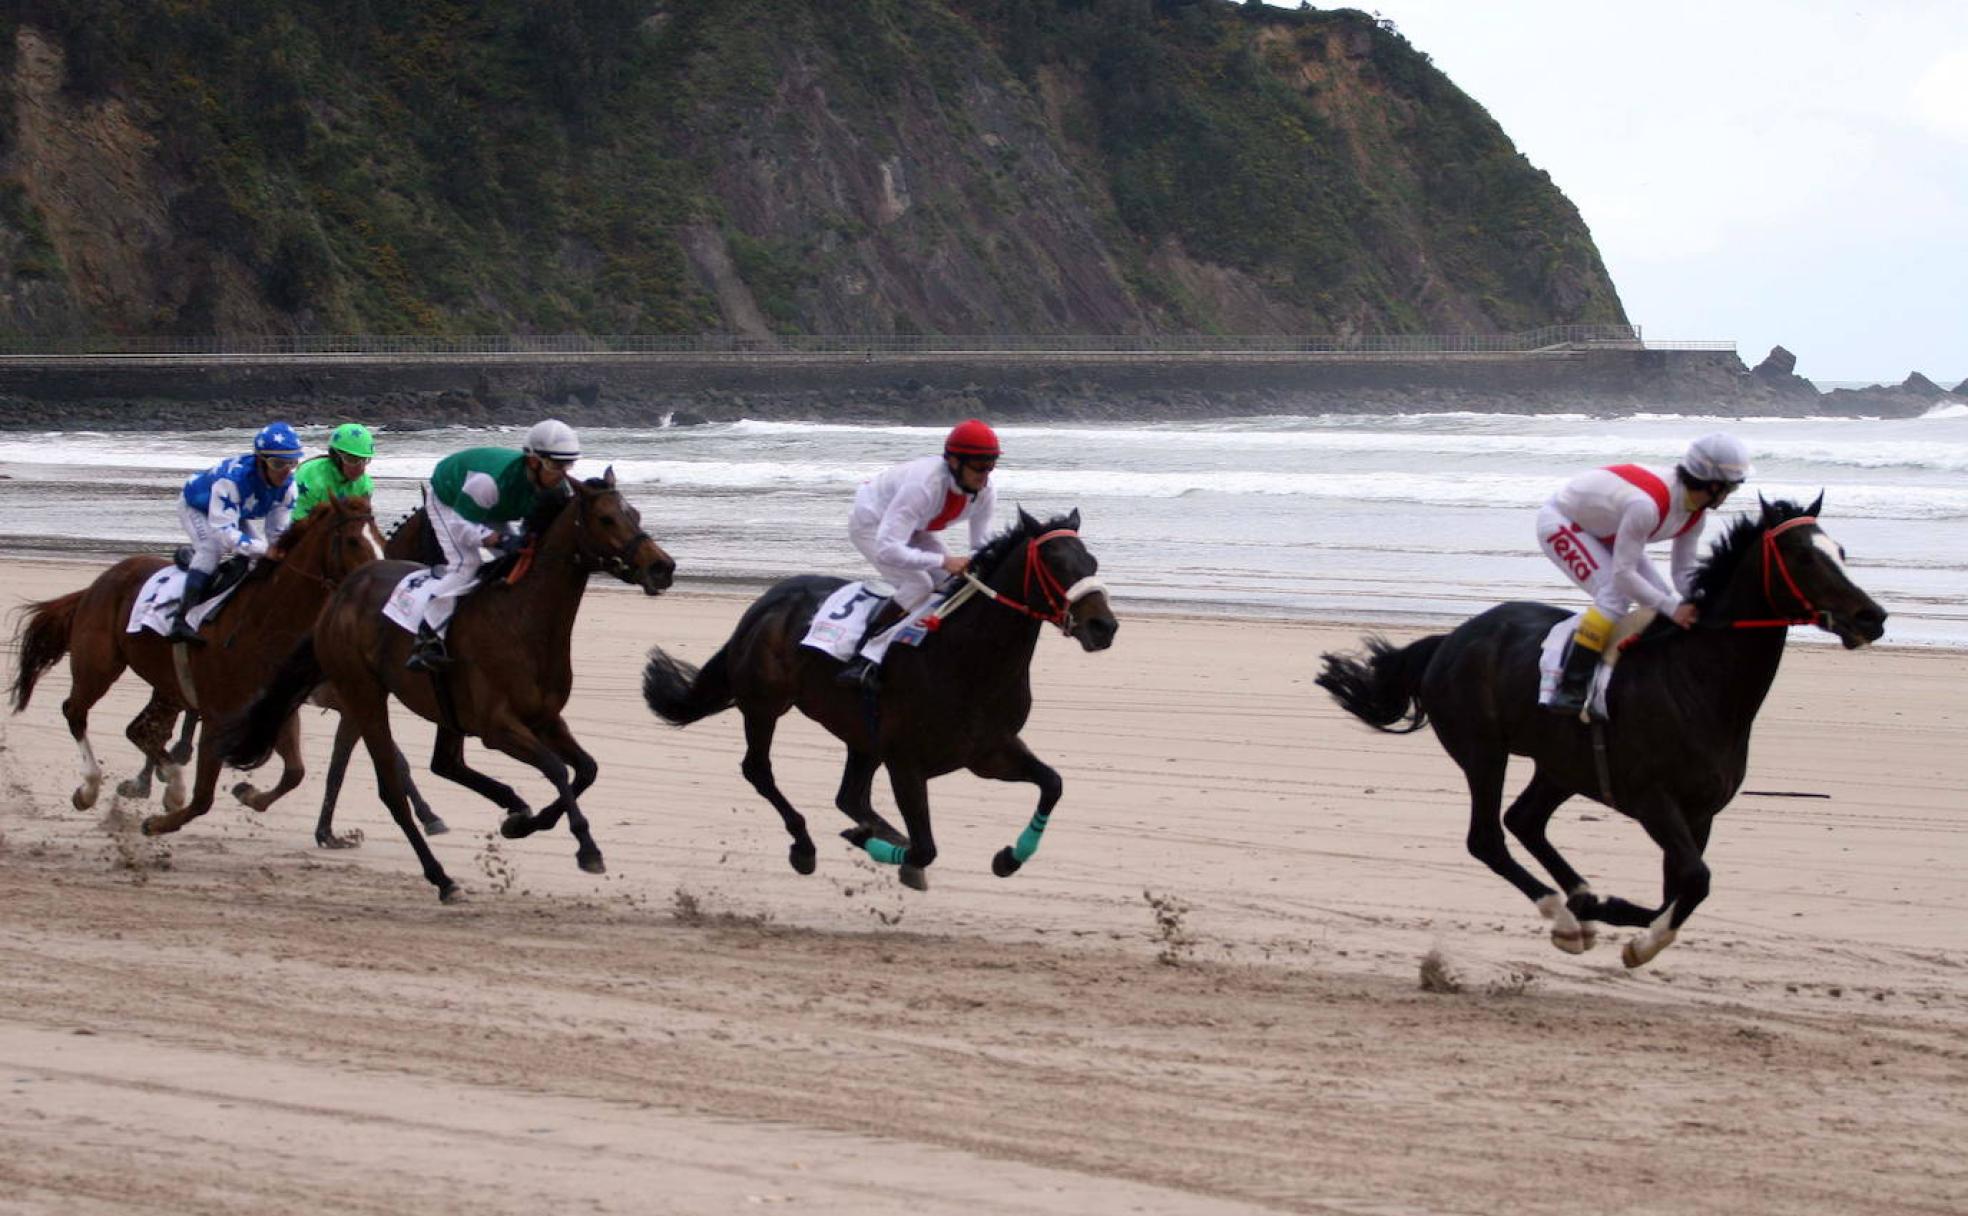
[(1587, 562)]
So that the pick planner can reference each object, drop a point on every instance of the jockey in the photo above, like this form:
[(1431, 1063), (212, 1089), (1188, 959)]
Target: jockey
[(218, 504), (1597, 529), (471, 498), (342, 473), (899, 515)]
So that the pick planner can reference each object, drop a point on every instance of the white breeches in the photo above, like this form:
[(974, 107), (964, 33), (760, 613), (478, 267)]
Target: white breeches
[(209, 546), (462, 542), (1584, 560), (912, 586)]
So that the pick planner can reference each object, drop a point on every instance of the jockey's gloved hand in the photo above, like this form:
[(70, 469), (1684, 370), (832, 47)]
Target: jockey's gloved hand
[(511, 542)]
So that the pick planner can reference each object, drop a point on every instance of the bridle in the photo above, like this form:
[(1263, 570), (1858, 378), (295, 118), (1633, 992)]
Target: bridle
[(619, 561), (1774, 565), (341, 538), (1059, 599)]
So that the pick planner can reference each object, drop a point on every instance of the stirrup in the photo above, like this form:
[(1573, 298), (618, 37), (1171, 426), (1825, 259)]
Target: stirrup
[(860, 672), (182, 632), (428, 654)]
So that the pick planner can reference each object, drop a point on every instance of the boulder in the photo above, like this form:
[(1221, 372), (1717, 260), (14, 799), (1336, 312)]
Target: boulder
[(1917, 383), (1779, 362)]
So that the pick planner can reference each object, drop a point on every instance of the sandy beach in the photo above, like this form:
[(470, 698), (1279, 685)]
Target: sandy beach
[(1202, 996)]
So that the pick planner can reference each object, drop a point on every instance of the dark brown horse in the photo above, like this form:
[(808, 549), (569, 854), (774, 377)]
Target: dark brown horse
[(1681, 702), (508, 683), (274, 606), (957, 701)]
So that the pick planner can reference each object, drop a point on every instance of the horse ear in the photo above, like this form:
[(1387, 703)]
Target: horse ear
[(608, 477), (1073, 521), (1817, 502), (1764, 503), (1025, 521)]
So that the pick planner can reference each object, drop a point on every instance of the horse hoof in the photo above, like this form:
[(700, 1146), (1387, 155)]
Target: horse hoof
[(450, 893), (328, 840), (1006, 863), (591, 862), (913, 876), (132, 788), (149, 826), (83, 798), (245, 792), (435, 826), (517, 825), (1643, 947), (803, 858), (1571, 943)]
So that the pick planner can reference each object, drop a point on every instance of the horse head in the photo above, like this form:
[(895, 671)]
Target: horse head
[(1053, 574), (608, 536), (1803, 575), (334, 540)]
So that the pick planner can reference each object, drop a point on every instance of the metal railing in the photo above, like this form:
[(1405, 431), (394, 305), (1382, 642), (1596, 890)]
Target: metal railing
[(1549, 338)]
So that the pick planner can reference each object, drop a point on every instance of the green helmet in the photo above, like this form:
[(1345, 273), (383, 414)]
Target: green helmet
[(354, 439)]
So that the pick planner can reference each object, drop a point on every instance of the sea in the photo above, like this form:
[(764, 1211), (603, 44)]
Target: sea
[(1387, 521)]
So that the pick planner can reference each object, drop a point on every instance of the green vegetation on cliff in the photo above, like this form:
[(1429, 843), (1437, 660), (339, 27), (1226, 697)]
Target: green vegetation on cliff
[(845, 166)]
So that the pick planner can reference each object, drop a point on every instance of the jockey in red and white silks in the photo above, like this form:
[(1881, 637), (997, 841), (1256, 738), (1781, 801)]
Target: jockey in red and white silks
[(1597, 529), (899, 514)]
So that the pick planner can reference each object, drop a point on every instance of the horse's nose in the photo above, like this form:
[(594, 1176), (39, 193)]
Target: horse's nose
[(1098, 632), (1871, 621), (659, 573)]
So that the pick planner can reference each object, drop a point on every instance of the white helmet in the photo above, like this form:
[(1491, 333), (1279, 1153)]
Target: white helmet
[(1717, 457), (553, 439)]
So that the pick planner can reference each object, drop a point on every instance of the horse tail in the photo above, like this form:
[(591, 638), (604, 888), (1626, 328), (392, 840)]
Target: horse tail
[(1380, 690), (681, 694), (40, 640), (247, 738)]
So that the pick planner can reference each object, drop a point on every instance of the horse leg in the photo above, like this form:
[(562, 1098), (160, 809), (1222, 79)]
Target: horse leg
[(561, 741), (369, 709), (448, 762), (181, 750), (1684, 882), (911, 791), (204, 781), (519, 742), (760, 724), (1527, 819), (856, 801), (1011, 760), (292, 769), (346, 736), (150, 730), (93, 666), (1486, 841)]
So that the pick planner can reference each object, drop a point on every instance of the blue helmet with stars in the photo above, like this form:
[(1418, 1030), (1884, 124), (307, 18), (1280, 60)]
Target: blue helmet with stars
[(277, 439)]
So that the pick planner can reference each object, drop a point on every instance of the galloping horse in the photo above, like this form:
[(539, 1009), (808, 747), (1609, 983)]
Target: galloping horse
[(958, 701), (510, 678), (273, 606), (1681, 705)]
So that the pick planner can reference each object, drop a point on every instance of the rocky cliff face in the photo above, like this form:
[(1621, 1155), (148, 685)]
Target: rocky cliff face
[(819, 166)]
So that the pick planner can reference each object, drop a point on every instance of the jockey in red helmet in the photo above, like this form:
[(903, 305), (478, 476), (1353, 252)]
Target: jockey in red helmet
[(899, 516)]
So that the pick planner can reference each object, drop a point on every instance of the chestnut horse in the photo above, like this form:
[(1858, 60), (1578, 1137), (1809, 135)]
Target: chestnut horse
[(274, 605), (508, 682)]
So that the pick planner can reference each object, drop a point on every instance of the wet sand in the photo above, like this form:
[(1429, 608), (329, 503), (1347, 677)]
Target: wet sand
[(1203, 995)]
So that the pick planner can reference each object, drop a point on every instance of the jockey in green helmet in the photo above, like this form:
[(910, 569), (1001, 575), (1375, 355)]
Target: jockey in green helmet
[(342, 473)]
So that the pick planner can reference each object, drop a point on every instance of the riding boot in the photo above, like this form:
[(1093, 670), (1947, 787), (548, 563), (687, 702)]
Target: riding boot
[(194, 591), (428, 654), (1575, 681), (861, 671)]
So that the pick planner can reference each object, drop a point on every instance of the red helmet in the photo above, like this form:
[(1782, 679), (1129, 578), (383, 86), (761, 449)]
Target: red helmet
[(971, 437)]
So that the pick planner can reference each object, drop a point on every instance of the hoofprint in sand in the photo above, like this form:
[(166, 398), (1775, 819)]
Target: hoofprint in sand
[(1205, 995)]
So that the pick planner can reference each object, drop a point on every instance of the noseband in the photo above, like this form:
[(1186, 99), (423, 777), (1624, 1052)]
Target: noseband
[(1059, 599), (619, 561)]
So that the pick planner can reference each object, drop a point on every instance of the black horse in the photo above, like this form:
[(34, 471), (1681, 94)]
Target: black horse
[(958, 701), (1681, 705)]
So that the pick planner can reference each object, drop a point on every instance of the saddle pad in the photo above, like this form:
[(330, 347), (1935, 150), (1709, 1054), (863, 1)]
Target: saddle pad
[(157, 603), (1551, 662), (408, 605), (840, 623)]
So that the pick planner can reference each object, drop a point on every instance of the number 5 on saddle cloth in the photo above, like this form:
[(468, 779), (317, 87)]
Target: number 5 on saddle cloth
[(842, 624)]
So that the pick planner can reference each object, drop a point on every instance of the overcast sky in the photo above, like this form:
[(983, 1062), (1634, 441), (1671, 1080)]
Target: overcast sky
[(1791, 173)]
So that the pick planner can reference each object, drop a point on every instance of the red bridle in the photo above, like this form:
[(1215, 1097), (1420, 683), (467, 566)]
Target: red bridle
[(1773, 561), (1058, 600)]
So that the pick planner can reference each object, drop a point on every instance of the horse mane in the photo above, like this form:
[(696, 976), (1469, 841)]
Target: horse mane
[(994, 550), (1733, 547)]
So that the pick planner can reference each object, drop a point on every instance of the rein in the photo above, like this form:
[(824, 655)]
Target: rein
[(1059, 599), (341, 539)]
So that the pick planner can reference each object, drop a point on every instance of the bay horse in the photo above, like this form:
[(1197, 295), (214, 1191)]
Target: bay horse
[(1681, 705), (509, 680), (274, 605), (957, 701)]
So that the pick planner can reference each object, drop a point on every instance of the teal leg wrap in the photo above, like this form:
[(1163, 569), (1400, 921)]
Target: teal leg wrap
[(886, 853), (1028, 840)]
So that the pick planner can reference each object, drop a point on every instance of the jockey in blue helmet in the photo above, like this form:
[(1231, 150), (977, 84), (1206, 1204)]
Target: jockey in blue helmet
[(219, 505)]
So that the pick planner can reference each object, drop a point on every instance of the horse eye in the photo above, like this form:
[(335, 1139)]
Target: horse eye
[(1841, 553)]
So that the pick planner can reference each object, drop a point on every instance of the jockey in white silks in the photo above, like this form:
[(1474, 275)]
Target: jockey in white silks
[(1597, 529), (220, 507), (899, 516)]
